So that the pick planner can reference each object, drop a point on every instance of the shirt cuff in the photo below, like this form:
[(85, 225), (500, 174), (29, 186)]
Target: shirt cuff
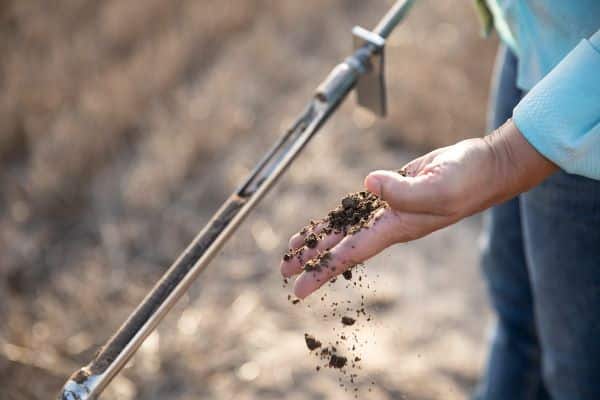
[(560, 116)]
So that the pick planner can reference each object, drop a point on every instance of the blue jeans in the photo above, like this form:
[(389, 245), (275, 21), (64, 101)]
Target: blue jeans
[(541, 261)]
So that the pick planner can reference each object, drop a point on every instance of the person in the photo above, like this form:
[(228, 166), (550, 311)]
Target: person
[(539, 171)]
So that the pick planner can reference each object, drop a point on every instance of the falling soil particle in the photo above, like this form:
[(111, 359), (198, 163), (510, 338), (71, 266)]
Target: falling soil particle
[(347, 274), (348, 321), (295, 301), (337, 361), (311, 342)]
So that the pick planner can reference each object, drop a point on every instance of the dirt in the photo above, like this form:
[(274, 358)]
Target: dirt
[(331, 356), (354, 213), (319, 262), (291, 253), (337, 361), (311, 342), (311, 241), (342, 352)]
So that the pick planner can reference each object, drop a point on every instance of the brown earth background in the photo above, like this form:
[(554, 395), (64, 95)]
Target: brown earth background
[(125, 123)]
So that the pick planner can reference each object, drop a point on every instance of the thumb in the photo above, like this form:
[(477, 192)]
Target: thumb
[(418, 194)]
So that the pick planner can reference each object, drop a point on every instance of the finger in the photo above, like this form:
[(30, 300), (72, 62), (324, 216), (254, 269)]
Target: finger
[(351, 250), (417, 194), (297, 240), (391, 227), (294, 265)]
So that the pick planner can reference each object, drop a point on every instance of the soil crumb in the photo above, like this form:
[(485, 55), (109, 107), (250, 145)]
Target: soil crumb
[(355, 212), (318, 263), (347, 274), (311, 342), (348, 321), (333, 359), (311, 241), (337, 361)]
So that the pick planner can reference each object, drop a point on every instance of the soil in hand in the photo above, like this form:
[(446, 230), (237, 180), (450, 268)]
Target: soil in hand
[(354, 213)]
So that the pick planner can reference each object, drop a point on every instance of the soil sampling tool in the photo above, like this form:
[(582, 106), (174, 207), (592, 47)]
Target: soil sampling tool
[(363, 70)]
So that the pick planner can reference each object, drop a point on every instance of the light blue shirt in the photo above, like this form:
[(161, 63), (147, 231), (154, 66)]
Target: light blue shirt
[(558, 46)]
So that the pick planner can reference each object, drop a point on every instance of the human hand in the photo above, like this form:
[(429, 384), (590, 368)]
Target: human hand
[(439, 189)]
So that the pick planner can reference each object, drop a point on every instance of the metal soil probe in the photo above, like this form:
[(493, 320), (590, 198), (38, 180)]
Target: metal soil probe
[(363, 69)]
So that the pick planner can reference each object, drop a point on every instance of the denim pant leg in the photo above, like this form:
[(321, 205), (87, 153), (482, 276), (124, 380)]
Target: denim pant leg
[(561, 222), (513, 367)]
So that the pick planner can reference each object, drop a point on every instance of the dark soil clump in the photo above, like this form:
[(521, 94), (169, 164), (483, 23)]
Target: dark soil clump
[(311, 241), (337, 361), (291, 253), (347, 274), (348, 321), (318, 263), (355, 212), (311, 342)]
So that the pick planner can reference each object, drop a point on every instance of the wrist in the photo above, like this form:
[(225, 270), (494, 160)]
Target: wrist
[(518, 165)]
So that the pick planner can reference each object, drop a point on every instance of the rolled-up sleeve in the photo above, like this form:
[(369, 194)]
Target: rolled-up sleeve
[(560, 116)]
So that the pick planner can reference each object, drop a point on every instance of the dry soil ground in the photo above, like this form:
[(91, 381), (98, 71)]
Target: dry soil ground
[(124, 124)]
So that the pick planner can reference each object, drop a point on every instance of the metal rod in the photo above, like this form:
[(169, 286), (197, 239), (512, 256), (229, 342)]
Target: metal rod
[(89, 381), (392, 18)]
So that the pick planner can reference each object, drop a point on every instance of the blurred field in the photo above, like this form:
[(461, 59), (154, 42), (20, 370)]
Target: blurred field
[(125, 123)]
